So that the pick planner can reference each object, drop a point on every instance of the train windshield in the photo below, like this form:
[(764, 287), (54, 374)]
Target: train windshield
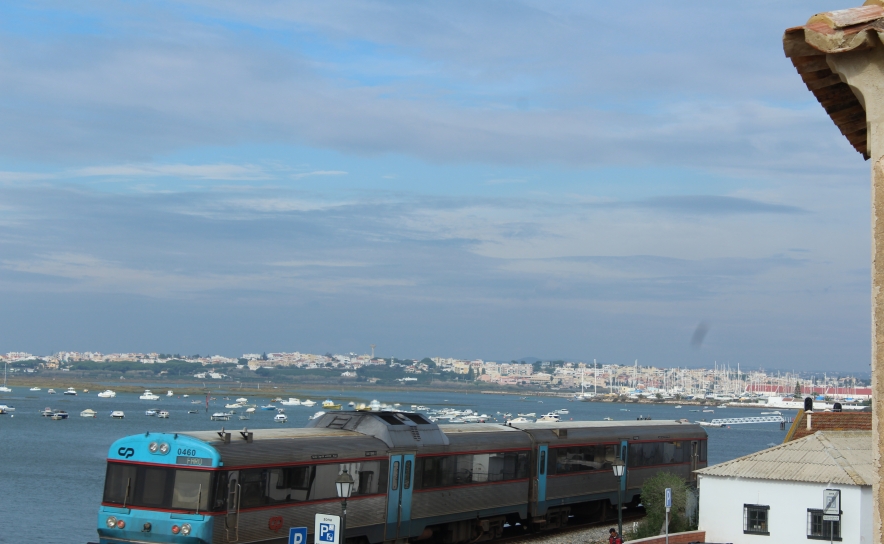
[(158, 487)]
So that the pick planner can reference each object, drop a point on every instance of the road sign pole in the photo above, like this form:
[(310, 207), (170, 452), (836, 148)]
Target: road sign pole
[(667, 498)]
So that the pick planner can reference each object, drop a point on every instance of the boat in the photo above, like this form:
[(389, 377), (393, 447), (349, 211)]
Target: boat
[(85, 390), (250, 410), (147, 395), (308, 403), (6, 408), (519, 420), (280, 410), (774, 413), (71, 391), (51, 391), (3, 388), (329, 404), (150, 412), (563, 411), (185, 396), (241, 400), (708, 410), (169, 393), (693, 410), (280, 418), (46, 412), (88, 412), (59, 414), (551, 417), (107, 394), (268, 407), (317, 415), (678, 405), (118, 414), (163, 414), (291, 402), (608, 419), (193, 411), (35, 389), (422, 408), (529, 414), (351, 404), (233, 406), (220, 416), (245, 416)]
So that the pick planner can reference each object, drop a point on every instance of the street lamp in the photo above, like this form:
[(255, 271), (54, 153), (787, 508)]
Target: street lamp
[(619, 471), (344, 485)]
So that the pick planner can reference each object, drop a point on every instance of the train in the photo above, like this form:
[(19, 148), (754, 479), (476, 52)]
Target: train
[(413, 479)]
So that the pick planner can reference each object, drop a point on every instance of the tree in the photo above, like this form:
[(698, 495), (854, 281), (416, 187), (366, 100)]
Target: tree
[(797, 389), (653, 499)]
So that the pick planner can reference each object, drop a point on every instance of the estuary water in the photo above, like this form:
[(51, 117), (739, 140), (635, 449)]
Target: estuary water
[(52, 472)]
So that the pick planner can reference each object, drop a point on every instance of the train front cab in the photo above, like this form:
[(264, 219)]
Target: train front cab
[(159, 487)]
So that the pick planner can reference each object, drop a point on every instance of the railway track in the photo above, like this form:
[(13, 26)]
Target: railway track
[(512, 534)]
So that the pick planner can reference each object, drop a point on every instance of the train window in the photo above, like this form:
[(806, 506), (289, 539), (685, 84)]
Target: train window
[(543, 462), (702, 448), (158, 487), (391, 419), (582, 458), (192, 490), (394, 479), (254, 487), (407, 484)]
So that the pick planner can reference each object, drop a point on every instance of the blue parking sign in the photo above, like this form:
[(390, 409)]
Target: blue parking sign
[(298, 535), (326, 529)]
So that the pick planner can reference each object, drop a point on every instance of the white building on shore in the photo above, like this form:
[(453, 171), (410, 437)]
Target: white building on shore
[(776, 495)]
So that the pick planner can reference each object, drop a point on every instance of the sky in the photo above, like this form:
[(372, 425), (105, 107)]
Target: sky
[(564, 180)]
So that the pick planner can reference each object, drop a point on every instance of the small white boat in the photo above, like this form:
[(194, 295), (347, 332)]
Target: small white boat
[(529, 414), (308, 403), (6, 408), (678, 405), (551, 417), (51, 391), (185, 396), (422, 408), (707, 410), (268, 407), (147, 395), (59, 414), (563, 411), (46, 412), (317, 415), (280, 418), (351, 404), (234, 406), (250, 410), (88, 412), (107, 394), (169, 393), (163, 414), (118, 414), (608, 419), (241, 400), (35, 389), (220, 416), (150, 412), (71, 391), (291, 402), (519, 420)]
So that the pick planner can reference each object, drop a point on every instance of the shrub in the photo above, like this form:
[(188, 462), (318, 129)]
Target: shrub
[(653, 499)]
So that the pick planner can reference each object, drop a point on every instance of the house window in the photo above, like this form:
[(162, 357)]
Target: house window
[(755, 519), (820, 529)]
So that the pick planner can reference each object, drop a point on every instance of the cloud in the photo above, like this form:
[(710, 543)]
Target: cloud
[(227, 172), (711, 204), (319, 173)]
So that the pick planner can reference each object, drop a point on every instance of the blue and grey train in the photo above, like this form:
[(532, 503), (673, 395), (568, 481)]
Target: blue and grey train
[(414, 480)]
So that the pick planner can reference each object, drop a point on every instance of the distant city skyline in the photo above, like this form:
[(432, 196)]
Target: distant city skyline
[(494, 179)]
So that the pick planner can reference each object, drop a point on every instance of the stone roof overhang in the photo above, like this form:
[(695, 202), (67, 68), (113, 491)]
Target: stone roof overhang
[(835, 33)]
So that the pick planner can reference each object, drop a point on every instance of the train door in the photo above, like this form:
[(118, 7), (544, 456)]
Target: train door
[(399, 496), (539, 493), (234, 493), (624, 456)]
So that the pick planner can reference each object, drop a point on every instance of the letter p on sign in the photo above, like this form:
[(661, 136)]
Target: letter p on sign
[(298, 535)]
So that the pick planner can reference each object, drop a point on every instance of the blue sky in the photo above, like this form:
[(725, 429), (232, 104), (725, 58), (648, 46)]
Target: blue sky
[(474, 179)]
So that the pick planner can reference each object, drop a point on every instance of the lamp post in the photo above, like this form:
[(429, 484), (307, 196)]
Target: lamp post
[(619, 471), (344, 486)]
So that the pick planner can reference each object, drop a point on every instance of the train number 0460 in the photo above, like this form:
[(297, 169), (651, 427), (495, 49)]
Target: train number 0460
[(187, 452)]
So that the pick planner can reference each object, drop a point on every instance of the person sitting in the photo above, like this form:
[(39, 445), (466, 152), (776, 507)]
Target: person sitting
[(614, 538)]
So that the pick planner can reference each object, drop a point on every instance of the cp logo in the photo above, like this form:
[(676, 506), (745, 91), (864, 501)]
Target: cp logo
[(126, 452), (274, 523)]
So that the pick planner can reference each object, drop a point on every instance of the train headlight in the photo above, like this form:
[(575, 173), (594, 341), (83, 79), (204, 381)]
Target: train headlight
[(164, 448), (176, 529), (111, 522), (153, 447), (185, 528), (121, 524)]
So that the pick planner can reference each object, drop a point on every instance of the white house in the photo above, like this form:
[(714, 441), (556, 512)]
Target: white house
[(776, 495)]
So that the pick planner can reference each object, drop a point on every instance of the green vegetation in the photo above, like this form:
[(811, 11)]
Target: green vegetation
[(655, 507)]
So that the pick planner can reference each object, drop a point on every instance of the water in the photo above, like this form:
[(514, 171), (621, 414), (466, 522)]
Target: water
[(52, 472)]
